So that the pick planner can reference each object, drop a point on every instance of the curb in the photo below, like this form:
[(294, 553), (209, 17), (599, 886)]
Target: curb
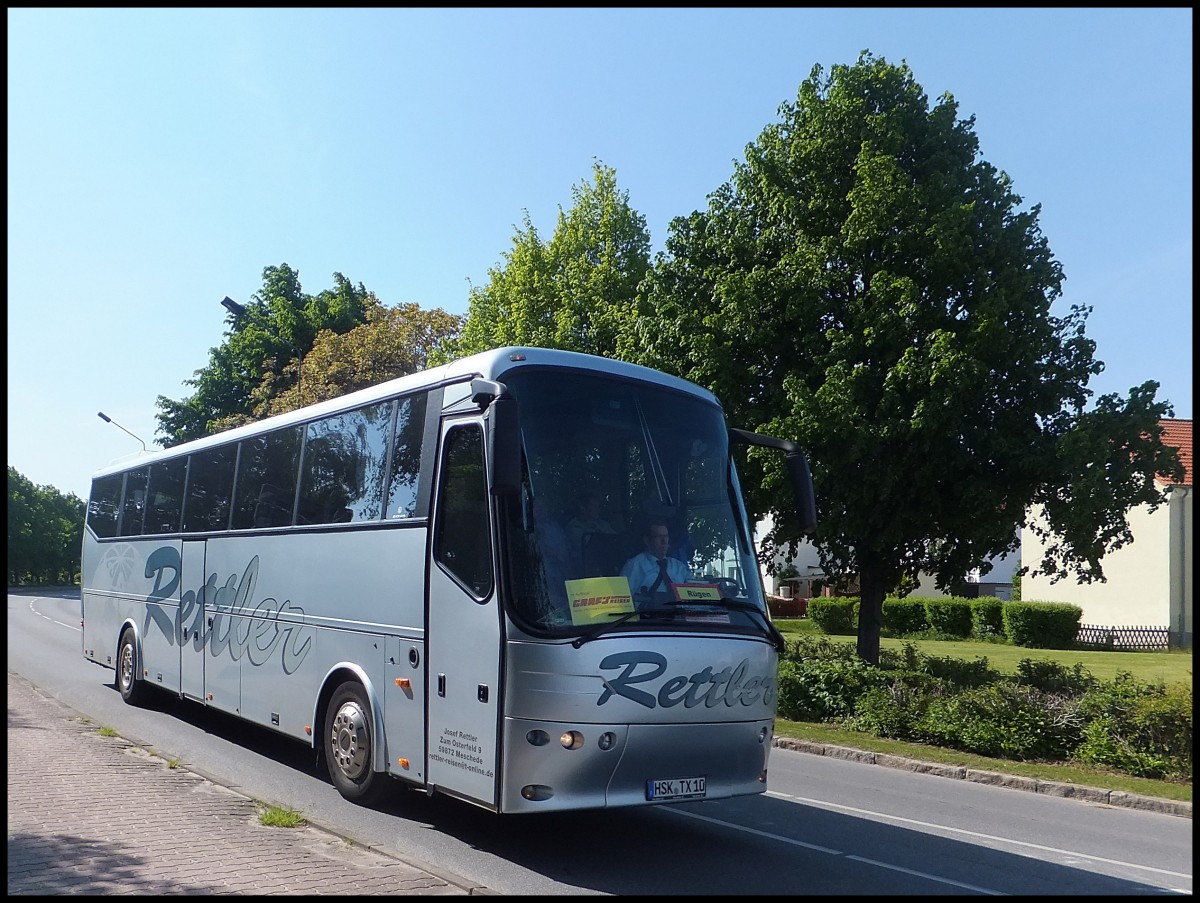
[(997, 779)]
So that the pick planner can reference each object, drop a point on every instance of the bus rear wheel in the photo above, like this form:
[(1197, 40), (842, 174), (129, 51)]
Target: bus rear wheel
[(349, 746), (132, 689)]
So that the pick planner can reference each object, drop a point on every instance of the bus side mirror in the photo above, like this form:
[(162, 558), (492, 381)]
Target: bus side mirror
[(503, 446), (799, 474), (802, 488)]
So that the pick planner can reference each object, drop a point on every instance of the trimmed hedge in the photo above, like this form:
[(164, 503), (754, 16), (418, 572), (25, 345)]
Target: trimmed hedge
[(951, 615), (987, 617), (834, 614), (1042, 625), (903, 616), (1037, 625)]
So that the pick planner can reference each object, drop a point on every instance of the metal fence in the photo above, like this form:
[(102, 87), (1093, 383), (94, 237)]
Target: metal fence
[(1124, 637)]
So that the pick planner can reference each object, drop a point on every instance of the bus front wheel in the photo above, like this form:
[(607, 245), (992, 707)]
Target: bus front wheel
[(132, 689), (349, 745)]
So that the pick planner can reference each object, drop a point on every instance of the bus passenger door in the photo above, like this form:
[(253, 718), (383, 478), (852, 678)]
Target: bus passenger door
[(190, 629), (464, 623)]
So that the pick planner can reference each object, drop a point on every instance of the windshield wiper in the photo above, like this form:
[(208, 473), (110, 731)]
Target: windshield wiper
[(604, 628)]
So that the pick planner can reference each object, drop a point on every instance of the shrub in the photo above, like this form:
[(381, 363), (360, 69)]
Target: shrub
[(1046, 711), (824, 689), (808, 648), (891, 711), (1042, 625), (987, 618), (950, 615), (959, 672), (1054, 677), (904, 616), (1139, 728), (1003, 720), (907, 659), (834, 614)]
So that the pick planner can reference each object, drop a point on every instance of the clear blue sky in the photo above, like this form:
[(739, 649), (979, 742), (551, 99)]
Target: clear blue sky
[(159, 160)]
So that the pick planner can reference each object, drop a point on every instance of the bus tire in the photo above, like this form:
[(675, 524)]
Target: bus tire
[(349, 746), (132, 689)]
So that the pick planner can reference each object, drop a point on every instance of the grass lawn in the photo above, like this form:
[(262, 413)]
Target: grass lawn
[(1169, 667)]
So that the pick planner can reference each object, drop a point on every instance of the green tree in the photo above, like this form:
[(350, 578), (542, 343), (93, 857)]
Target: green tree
[(45, 533), (868, 286), (279, 326), (575, 292), (394, 341)]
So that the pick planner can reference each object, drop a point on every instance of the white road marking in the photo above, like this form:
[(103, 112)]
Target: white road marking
[(809, 846), (989, 837), (47, 617)]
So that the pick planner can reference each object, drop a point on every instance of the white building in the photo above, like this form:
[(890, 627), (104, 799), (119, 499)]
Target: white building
[(1148, 581)]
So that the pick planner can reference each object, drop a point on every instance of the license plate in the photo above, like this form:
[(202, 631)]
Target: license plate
[(677, 789)]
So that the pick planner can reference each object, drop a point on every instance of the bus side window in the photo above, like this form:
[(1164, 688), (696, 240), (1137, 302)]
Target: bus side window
[(406, 457), (210, 488), (341, 477), (265, 491), (462, 542), (134, 506), (103, 505), (272, 509), (164, 503)]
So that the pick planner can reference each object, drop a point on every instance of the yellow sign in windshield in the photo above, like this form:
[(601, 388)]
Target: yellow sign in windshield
[(596, 599)]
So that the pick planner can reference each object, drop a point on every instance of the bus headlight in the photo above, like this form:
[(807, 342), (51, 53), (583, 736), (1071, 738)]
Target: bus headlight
[(607, 740), (571, 739), (537, 737)]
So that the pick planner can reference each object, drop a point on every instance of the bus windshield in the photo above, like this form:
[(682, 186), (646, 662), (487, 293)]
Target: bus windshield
[(629, 515)]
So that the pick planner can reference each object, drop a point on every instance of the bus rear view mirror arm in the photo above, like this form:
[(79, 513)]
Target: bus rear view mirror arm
[(504, 435)]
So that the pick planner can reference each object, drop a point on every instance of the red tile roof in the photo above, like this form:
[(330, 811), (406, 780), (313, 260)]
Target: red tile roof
[(1178, 434)]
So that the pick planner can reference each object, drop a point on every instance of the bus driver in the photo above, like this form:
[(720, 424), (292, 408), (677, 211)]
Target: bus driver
[(653, 571)]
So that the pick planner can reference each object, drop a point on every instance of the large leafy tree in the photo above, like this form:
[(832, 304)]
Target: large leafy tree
[(576, 291), (868, 286), (279, 326)]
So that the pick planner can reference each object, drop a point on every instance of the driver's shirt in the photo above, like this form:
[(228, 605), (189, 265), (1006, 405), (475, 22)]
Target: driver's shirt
[(642, 570)]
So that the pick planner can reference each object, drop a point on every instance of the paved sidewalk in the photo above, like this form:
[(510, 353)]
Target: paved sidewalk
[(89, 814)]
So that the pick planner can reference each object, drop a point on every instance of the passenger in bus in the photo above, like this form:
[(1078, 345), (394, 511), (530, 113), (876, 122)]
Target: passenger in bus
[(653, 571), (559, 563), (587, 519)]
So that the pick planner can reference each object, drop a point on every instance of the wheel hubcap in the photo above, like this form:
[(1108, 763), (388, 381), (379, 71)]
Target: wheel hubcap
[(349, 740), (127, 666)]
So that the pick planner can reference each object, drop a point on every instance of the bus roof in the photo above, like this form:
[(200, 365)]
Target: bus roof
[(486, 364)]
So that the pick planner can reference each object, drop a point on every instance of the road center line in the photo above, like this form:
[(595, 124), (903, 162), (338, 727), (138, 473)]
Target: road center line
[(988, 837), (811, 846)]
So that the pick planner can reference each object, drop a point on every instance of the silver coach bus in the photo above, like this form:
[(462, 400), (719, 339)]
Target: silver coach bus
[(389, 577)]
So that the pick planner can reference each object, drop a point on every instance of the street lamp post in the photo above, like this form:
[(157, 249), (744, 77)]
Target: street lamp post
[(108, 419)]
